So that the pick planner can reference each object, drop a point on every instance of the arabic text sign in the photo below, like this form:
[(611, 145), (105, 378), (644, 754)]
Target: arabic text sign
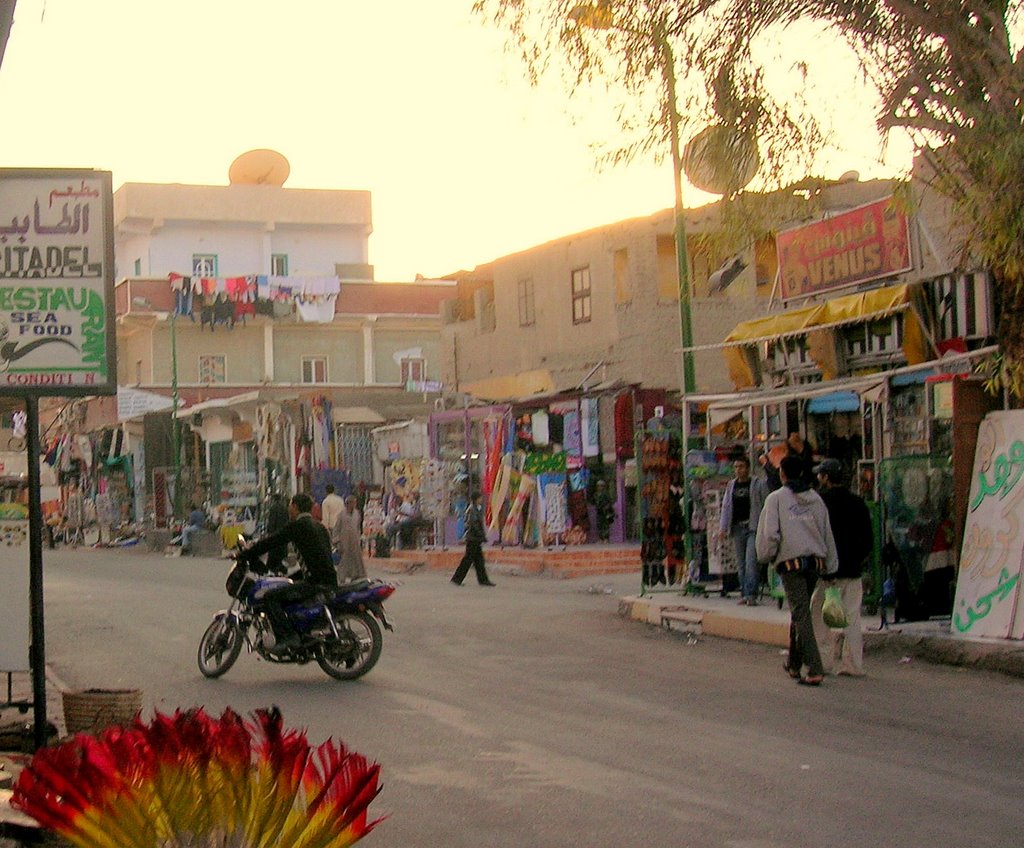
[(56, 282), (866, 243), (990, 588)]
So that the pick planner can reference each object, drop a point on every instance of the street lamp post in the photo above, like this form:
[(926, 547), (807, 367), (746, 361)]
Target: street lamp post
[(598, 17), (175, 423)]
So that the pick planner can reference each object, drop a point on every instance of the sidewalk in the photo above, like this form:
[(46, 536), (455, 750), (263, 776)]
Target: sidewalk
[(766, 624)]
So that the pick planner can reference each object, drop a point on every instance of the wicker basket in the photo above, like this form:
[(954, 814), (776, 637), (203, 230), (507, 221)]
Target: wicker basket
[(92, 710)]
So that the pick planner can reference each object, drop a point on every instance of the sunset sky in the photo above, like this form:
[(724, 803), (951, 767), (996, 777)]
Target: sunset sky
[(413, 100)]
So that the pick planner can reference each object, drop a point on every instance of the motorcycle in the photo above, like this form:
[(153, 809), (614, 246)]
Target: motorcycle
[(338, 627)]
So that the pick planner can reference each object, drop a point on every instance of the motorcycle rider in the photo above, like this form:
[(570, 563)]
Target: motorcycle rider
[(313, 543)]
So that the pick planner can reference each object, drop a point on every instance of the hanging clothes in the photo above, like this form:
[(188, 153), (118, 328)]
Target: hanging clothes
[(590, 427), (539, 428)]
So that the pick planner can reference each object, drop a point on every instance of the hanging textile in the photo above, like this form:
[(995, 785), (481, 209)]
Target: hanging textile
[(573, 441), (553, 506), (512, 530), (499, 493), (539, 428), (315, 310), (494, 439), (590, 427)]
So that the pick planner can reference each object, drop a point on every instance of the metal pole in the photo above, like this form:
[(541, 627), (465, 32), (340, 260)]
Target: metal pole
[(175, 424), (37, 654), (668, 70)]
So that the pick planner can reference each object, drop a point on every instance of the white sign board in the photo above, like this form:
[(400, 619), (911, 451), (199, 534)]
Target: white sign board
[(989, 591), (56, 282), (14, 599), (131, 403)]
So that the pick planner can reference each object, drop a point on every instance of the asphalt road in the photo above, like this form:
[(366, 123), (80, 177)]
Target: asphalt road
[(532, 714)]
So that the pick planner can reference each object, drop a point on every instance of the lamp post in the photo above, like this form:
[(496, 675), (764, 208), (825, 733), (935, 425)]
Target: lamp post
[(599, 17), (175, 423)]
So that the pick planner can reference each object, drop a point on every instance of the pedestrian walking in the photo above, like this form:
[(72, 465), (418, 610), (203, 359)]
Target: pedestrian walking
[(851, 527), (794, 535), (349, 542), (475, 538), (741, 508)]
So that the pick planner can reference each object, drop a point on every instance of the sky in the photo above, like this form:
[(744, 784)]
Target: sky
[(412, 100)]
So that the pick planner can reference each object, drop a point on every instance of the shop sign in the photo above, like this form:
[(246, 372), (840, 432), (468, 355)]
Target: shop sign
[(56, 282), (989, 595), (131, 403), (866, 243), (424, 386)]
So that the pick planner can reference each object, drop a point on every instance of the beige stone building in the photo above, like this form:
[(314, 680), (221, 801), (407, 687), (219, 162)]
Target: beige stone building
[(603, 305)]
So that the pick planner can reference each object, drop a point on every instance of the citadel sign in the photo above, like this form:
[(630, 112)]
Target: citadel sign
[(56, 282)]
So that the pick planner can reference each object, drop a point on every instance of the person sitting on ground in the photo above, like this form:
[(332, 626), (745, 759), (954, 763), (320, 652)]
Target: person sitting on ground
[(313, 543), (407, 517), (196, 521)]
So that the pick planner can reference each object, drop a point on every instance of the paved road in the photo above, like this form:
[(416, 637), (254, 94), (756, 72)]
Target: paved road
[(532, 714)]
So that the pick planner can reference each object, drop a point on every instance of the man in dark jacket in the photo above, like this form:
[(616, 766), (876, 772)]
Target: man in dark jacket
[(313, 543), (475, 538), (851, 526)]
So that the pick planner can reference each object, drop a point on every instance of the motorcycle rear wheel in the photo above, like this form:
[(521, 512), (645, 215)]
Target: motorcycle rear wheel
[(219, 648), (356, 650)]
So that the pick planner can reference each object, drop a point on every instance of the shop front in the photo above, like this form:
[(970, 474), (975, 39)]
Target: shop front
[(893, 433), (554, 470)]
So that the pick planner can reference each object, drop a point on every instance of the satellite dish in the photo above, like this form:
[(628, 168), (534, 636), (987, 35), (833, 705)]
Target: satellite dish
[(720, 160), (259, 167)]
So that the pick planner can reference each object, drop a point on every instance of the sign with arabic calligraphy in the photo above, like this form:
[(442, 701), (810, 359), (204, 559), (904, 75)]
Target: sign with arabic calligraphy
[(990, 587), (56, 282), (866, 243)]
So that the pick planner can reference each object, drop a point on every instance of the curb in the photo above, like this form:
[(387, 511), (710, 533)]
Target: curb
[(941, 649)]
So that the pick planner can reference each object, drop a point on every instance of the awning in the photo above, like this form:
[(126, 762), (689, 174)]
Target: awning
[(514, 387), (389, 428), (834, 402), (821, 318), (233, 402), (356, 415)]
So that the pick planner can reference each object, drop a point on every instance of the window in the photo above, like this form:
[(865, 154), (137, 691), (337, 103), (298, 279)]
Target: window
[(668, 269), (412, 370), (526, 317), (204, 265), (623, 281), (279, 264), (212, 368), (581, 295), (314, 369), (138, 268)]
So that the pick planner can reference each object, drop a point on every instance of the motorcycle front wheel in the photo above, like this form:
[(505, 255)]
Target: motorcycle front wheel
[(357, 648), (219, 647)]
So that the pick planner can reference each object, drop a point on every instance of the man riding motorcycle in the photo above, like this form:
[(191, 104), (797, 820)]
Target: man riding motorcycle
[(313, 543)]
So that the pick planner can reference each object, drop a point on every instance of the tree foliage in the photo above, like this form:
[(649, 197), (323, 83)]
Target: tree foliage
[(948, 72)]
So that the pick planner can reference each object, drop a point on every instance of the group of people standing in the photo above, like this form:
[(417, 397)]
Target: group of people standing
[(814, 538)]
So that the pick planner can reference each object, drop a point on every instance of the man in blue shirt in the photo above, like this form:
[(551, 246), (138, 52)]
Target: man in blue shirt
[(196, 521)]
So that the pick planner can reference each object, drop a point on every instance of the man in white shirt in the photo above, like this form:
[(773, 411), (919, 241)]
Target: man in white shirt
[(331, 508)]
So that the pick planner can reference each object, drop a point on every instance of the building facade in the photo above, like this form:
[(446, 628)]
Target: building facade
[(252, 336)]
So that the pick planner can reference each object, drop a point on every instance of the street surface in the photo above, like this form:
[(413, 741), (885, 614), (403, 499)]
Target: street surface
[(531, 714)]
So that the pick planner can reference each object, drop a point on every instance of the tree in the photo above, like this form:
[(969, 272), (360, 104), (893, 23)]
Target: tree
[(948, 72)]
